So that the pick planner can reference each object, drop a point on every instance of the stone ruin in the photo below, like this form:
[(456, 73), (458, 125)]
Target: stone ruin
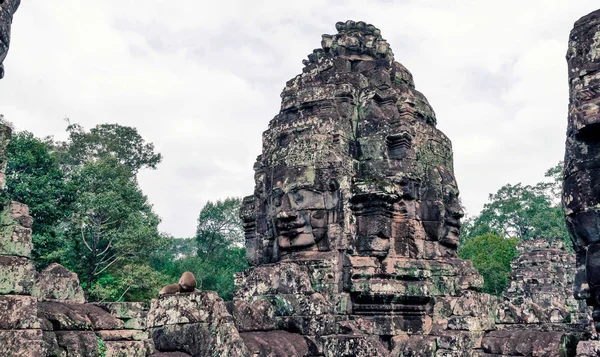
[(7, 9), (351, 235), (538, 312), (44, 313), (581, 190), (353, 226)]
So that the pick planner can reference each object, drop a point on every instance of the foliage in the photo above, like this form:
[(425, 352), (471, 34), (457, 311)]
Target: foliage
[(35, 178), (523, 211), (491, 255), (121, 142), (112, 221), (134, 282), (219, 226), (215, 254), (89, 213)]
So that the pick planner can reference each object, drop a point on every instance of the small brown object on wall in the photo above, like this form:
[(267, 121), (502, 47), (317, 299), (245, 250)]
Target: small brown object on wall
[(170, 289), (187, 283)]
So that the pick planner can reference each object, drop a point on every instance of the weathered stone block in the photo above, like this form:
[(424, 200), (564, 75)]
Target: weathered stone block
[(72, 316), (79, 343), (258, 316), (57, 282), (15, 230), (276, 343), (22, 343), (18, 312), (527, 343), (125, 349), (200, 339), (350, 345), (588, 349), (17, 275), (413, 346), (196, 307)]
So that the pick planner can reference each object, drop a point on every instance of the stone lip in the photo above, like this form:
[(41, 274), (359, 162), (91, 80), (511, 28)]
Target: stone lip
[(61, 316)]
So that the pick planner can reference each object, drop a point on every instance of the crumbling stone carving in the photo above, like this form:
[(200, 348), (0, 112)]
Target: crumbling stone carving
[(538, 314), (353, 227), (581, 190), (7, 9)]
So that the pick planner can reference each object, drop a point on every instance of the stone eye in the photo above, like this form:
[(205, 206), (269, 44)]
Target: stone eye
[(298, 197)]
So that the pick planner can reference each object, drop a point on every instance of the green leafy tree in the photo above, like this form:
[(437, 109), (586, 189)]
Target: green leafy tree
[(219, 226), (491, 254), (215, 254), (34, 177), (121, 142), (112, 221), (523, 211)]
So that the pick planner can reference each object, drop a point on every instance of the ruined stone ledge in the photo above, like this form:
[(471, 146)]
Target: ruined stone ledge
[(72, 316), (22, 343), (18, 312), (122, 335), (127, 348), (196, 307), (200, 339), (17, 275), (124, 310), (133, 314), (527, 343)]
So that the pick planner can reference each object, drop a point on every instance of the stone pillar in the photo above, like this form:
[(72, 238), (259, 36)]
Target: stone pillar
[(7, 9), (581, 189), (20, 332)]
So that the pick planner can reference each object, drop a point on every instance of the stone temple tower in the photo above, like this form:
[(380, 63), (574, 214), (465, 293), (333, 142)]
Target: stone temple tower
[(355, 218)]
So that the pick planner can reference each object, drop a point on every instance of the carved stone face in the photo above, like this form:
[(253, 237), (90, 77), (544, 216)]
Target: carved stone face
[(300, 215)]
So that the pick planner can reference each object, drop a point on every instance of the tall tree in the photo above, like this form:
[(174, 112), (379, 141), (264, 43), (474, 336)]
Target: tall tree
[(112, 220), (523, 211)]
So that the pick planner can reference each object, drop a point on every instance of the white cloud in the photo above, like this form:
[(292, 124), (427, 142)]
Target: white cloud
[(202, 80)]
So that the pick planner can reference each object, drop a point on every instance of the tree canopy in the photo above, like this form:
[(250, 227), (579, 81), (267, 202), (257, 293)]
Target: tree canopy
[(89, 212), (491, 254), (523, 211)]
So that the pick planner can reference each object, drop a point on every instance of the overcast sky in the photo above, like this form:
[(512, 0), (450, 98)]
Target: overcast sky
[(201, 80)]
